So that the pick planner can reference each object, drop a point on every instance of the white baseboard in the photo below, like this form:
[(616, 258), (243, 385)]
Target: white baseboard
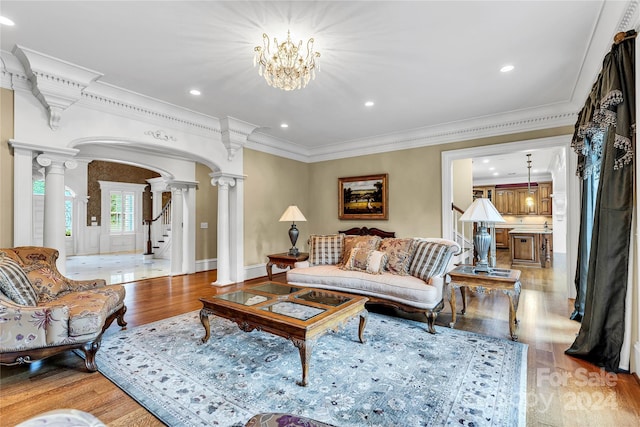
[(207, 264), (259, 270)]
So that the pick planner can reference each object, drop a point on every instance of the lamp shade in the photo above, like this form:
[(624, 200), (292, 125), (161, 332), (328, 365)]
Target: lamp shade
[(481, 210), (292, 214)]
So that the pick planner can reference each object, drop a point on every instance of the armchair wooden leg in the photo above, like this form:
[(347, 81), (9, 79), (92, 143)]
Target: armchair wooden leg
[(432, 315), (90, 349), (120, 318)]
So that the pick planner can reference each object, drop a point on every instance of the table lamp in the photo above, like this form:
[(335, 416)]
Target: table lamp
[(293, 214), (483, 212)]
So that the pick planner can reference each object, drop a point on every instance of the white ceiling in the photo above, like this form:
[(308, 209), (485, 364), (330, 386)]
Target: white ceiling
[(509, 168), (426, 64)]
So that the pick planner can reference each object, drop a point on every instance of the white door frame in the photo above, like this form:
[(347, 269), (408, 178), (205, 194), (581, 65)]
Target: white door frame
[(573, 189)]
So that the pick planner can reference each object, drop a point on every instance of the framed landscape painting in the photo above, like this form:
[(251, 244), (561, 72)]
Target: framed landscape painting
[(363, 197)]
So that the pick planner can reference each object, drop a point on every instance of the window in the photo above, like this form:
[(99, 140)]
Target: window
[(122, 216)]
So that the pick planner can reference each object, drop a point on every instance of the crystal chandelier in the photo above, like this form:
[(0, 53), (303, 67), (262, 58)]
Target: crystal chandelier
[(286, 68)]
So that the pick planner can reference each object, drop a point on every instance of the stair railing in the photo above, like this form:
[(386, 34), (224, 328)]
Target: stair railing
[(165, 214)]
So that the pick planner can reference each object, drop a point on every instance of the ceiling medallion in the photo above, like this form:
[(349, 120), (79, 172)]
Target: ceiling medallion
[(286, 69)]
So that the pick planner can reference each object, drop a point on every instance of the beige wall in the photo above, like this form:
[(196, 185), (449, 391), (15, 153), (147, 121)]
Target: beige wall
[(206, 211), (272, 184), (415, 182), (463, 183), (6, 169)]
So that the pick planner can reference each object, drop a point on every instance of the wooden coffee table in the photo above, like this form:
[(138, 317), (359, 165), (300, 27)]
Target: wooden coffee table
[(298, 314)]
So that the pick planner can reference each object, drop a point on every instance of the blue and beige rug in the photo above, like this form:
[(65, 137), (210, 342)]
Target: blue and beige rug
[(401, 376)]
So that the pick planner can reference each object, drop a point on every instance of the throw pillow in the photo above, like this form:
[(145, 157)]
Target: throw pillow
[(362, 259), (400, 254), (15, 284), (431, 259), (46, 282), (366, 242), (325, 250)]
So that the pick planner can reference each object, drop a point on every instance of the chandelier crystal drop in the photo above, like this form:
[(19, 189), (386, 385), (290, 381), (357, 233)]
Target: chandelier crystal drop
[(285, 68)]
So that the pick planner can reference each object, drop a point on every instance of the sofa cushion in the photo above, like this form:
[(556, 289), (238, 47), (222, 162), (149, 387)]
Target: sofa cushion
[(88, 310), (430, 259), (399, 253), (366, 242), (404, 289), (325, 249), (46, 282), (366, 260), (15, 284)]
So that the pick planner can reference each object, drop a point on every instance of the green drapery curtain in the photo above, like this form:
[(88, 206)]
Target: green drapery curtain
[(606, 131)]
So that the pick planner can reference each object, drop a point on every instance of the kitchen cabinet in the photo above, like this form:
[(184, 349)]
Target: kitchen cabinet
[(502, 237), (485, 192), (511, 200), (544, 198), (521, 197), (505, 201), (524, 249)]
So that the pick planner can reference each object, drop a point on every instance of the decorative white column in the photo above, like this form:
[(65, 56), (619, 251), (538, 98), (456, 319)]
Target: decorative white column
[(236, 222), (189, 229), (176, 230), (223, 182), (54, 218), (22, 195)]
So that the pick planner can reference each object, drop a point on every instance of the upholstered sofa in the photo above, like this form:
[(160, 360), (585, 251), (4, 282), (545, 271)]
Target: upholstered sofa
[(43, 313), (409, 274)]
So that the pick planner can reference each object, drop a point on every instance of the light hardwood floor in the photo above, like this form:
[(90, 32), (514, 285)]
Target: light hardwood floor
[(561, 391)]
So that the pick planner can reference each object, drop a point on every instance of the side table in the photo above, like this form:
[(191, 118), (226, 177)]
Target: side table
[(498, 280), (284, 260)]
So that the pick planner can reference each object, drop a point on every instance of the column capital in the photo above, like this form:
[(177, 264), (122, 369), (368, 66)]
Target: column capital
[(182, 185), (56, 160), (222, 179)]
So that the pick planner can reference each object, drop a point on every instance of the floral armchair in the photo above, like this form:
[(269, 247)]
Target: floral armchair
[(43, 313)]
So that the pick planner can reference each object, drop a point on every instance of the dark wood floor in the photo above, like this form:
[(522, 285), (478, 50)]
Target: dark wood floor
[(561, 391)]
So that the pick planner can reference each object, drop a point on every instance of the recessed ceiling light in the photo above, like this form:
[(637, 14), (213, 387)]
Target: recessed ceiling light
[(492, 168), (485, 161), (284, 125), (496, 174), (195, 92), (369, 104), (6, 21), (507, 68)]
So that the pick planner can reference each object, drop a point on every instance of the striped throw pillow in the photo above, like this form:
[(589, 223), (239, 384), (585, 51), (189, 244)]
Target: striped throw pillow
[(430, 259), (325, 250), (15, 284)]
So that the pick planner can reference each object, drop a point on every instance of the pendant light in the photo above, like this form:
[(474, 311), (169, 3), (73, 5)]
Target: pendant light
[(529, 199)]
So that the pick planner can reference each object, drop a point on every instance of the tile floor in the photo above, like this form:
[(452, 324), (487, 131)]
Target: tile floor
[(115, 268)]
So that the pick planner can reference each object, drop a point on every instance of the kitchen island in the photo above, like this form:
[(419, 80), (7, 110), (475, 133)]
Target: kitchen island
[(531, 247)]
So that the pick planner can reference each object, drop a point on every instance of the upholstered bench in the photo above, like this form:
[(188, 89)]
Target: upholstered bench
[(43, 313)]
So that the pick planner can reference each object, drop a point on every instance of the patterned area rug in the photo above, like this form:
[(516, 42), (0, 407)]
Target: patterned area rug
[(401, 376)]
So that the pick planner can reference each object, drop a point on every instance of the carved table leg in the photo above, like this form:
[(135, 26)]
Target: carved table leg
[(204, 319), (269, 272), (463, 294), (514, 297), (452, 303), (304, 347), (363, 323)]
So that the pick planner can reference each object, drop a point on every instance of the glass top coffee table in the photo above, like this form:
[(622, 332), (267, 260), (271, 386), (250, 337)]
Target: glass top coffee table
[(295, 313)]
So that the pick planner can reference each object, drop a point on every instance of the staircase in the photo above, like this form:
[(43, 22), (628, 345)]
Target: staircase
[(159, 245)]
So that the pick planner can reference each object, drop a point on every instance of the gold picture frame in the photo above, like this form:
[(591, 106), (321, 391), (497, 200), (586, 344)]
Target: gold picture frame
[(363, 197)]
